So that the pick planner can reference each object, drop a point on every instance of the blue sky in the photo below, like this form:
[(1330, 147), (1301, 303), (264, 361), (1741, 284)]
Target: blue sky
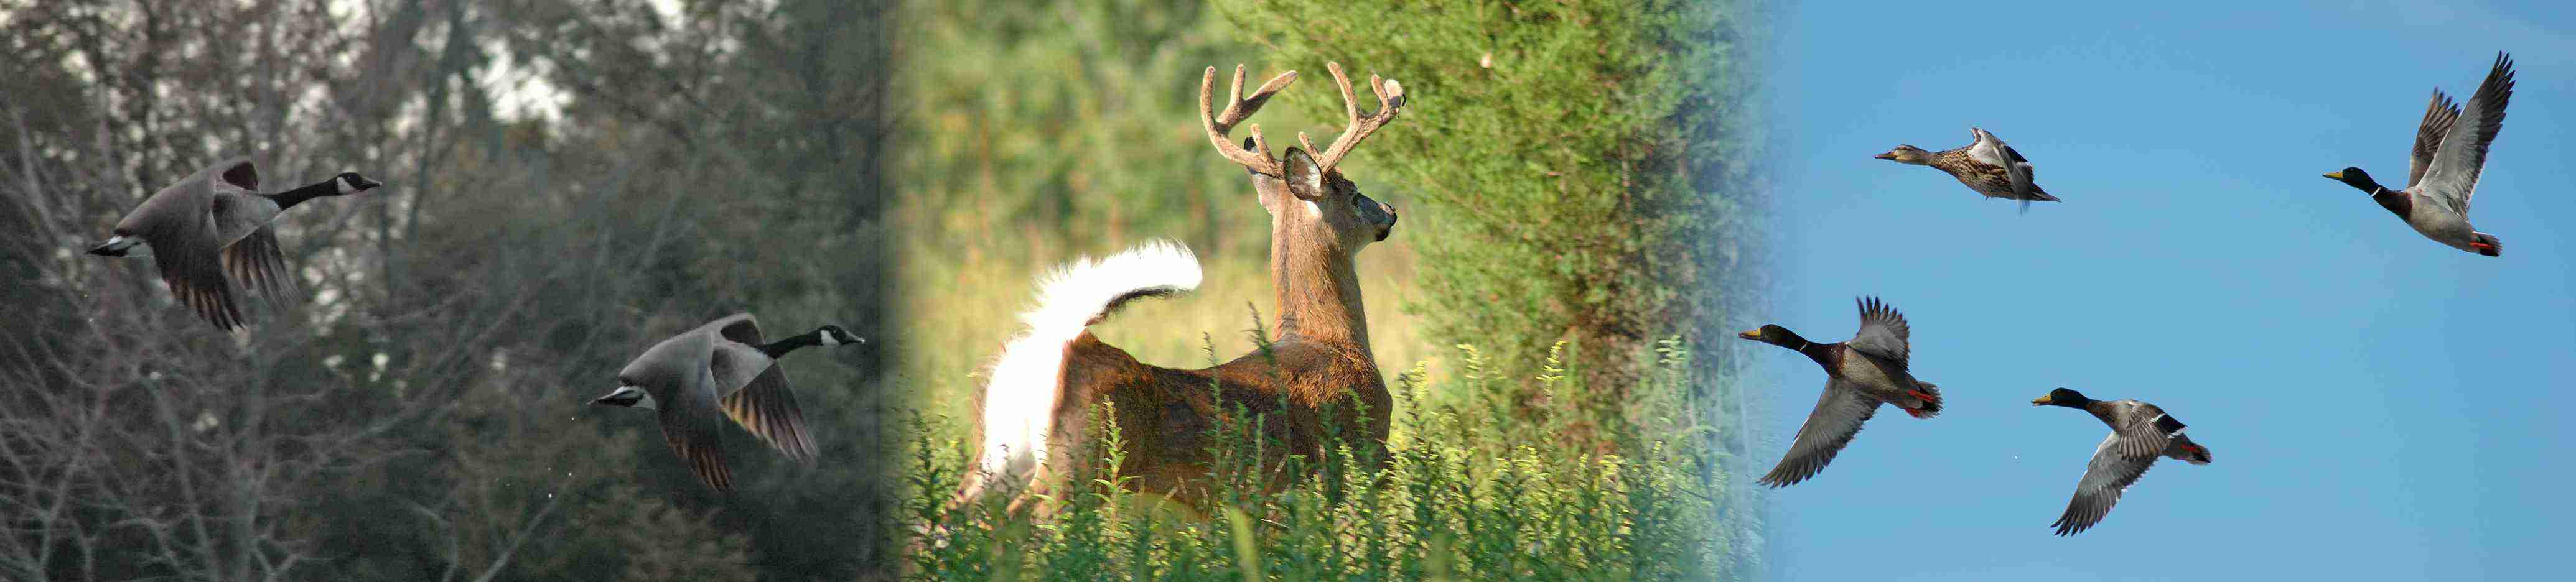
[(2380, 406)]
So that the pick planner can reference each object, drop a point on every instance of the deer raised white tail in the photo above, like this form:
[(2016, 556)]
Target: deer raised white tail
[(1025, 385), (1316, 385)]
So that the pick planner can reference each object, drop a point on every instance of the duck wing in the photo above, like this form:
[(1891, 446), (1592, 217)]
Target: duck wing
[(2108, 475), (2452, 177), (1883, 332), (2438, 116), (2023, 175), (2017, 169), (1838, 415), (2144, 430), (763, 404)]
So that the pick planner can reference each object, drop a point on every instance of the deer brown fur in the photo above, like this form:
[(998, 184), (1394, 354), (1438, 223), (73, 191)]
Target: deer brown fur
[(1316, 379)]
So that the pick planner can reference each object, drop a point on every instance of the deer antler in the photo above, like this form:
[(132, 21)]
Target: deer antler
[(1236, 109), (1390, 98)]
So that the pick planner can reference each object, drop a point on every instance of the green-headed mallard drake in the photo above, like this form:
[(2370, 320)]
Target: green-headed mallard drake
[(1861, 373), (2140, 432), (1986, 165), (2450, 150)]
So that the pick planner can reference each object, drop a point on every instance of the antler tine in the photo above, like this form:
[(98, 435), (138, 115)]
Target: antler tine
[(1258, 159), (1390, 99)]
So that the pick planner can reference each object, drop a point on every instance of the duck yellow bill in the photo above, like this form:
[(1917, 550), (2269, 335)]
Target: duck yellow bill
[(1750, 334), (2041, 400), (2338, 175)]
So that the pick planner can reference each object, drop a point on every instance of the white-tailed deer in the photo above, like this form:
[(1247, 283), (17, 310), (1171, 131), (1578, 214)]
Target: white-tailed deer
[(1316, 379)]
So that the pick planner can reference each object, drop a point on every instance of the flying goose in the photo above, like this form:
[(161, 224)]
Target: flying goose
[(215, 221), (2140, 432), (723, 365), (1985, 165), (2450, 150), (1861, 373)]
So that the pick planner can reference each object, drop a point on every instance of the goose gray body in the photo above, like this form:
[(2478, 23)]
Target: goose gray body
[(212, 226), (2448, 155), (723, 369), (2140, 434), (1870, 369)]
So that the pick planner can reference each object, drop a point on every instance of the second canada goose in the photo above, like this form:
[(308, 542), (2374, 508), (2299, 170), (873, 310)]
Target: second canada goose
[(1985, 165), (722, 366), (2450, 151), (1861, 373), (2140, 432), (216, 221)]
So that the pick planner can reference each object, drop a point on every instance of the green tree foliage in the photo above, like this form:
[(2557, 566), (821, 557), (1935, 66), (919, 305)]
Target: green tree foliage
[(1586, 173), (1585, 168)]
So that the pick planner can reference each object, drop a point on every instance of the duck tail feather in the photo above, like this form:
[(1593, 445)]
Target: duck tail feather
[(1930, 394), (2199, 454)]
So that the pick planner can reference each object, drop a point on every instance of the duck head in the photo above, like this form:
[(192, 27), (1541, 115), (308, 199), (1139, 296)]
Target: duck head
[(1776, 335), (2356, 178), (1906, 154), (2062, 397)]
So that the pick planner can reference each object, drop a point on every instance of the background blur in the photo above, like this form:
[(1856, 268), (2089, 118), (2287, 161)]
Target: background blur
[(568, 182), (2379, 405)]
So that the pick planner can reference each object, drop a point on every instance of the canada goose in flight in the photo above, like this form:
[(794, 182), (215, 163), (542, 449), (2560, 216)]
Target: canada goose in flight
[(1986, 165), (723, 365), (215, 221), (2450, 151), (2140, 432), (1861, 373)]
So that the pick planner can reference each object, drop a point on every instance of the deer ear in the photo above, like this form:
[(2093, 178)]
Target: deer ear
[(1305, 179), (242, 175)]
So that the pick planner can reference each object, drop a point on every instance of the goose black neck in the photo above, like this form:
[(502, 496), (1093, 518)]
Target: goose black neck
[(792, 343), (290, 198)]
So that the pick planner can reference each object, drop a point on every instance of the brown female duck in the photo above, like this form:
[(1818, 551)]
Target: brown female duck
[(1985, 165)]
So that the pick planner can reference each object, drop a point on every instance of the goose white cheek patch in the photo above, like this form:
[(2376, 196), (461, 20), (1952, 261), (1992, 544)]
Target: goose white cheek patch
[(345, 186)]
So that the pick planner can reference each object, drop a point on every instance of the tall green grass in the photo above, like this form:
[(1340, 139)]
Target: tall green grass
[(1464, 489)]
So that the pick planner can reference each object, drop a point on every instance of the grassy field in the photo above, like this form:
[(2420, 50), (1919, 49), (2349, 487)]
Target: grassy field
[(1461, 493)]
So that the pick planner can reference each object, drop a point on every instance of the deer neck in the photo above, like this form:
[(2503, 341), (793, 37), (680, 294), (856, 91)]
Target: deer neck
[(1319, 291)]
